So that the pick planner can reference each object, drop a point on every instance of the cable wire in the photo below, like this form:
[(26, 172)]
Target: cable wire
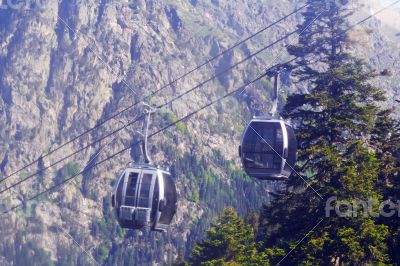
[(87, 254), (53, 188), (152, 93), (88, 167), (67, 234), (160, 106)]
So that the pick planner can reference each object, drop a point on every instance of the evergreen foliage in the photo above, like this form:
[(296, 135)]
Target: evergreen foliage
[(386, 140), (230, 241), (334, 121), (348, 149)]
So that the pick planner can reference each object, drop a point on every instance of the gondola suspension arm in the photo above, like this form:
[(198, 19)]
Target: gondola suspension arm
[(148, 112), (275, 72)]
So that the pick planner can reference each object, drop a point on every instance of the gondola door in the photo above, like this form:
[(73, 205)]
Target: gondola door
[(130, 187), (145, 197)]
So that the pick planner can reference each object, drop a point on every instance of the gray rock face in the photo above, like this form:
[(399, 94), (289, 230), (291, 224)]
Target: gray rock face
[(70, 64)]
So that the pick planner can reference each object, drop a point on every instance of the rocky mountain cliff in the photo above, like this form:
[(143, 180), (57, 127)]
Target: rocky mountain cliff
[(66, 66)]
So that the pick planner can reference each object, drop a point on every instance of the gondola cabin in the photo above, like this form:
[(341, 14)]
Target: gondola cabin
[(144, 196), (268, 149)]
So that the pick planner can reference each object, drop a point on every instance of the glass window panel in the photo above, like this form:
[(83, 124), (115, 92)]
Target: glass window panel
[(131, 186), (156, 198), (145, 188), (263, 150), (170, 200), (119, 191), (130, 201), (263, 137), (143, 202), (146, 185), (292, 151), (262, 161), (292, 147)]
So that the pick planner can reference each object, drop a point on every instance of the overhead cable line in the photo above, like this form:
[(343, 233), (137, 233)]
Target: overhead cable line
[(165, 128), (67, 234), (87, 254), (152, 93), (53, 188), (160, 106)]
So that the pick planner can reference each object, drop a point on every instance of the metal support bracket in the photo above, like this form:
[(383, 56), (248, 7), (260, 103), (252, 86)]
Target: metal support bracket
[(275, 72), (148, 112)]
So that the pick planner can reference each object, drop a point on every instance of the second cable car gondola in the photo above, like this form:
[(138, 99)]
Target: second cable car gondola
[(268, 148), (145, 195)]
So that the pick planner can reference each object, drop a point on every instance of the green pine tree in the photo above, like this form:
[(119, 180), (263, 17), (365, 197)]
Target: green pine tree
[(230, 241), (386, 138), (334, 120)]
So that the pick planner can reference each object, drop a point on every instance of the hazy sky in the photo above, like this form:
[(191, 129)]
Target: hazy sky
[(388, 2)]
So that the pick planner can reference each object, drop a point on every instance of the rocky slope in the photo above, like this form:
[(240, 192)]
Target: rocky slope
[(66, 66)]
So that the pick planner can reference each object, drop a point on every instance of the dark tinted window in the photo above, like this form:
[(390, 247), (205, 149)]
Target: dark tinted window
[(292, 149), (119, 190), (156, 197), (131, 189), (170, 199), (263, 145), (144, 196), (262, 161)]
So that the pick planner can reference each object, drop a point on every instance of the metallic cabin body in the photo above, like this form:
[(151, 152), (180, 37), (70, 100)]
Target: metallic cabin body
[(144, 196), (268, 149)]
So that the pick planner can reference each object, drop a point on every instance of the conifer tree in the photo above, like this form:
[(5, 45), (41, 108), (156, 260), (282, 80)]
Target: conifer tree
[(230, 241), (386, 140), (334, 117), (349, 149)]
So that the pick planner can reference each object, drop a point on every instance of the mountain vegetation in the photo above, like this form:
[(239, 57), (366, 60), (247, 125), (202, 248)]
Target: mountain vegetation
[(348, 150), (67, 66)]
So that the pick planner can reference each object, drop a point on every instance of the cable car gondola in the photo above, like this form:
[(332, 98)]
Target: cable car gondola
[(144, 195), (269, 146), (268, 149)]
